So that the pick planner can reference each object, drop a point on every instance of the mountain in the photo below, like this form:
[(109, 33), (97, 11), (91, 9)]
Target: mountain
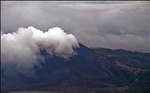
[(91, 69), (133, 70)]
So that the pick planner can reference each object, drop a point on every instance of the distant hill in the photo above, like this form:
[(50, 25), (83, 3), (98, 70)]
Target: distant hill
[(95, 69)]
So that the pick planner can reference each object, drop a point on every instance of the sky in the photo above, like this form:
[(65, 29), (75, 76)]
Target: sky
[(107, 24)]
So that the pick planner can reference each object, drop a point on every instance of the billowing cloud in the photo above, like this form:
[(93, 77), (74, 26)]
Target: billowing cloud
[(90, 21), (20, 51)]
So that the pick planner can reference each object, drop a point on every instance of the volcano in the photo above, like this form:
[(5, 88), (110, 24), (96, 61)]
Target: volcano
[(87, 71)]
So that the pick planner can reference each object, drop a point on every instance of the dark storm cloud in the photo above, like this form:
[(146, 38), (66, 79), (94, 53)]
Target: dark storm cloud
[(95, 24)]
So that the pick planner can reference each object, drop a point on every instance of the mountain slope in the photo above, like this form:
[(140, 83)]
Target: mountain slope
[(78, 73), (57, 74), (133, 71), (90, 69)]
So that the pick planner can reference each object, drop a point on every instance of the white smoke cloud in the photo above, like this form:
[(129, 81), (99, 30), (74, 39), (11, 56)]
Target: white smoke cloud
[(20, 51)]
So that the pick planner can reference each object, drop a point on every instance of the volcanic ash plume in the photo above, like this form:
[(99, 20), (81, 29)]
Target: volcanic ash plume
[(21, 50)]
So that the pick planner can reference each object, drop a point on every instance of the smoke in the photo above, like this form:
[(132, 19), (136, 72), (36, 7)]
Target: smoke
[(20, 51)]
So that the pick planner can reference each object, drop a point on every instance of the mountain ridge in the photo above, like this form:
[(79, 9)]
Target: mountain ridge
[(89, 70)]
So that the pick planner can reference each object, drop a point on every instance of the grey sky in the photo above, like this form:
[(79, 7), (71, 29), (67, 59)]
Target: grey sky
[(109, 24)]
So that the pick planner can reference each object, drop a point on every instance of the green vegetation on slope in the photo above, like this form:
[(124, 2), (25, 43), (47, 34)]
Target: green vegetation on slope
[(139, 82)]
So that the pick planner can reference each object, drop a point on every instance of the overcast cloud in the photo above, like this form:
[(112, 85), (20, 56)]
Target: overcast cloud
[(115, 25)]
